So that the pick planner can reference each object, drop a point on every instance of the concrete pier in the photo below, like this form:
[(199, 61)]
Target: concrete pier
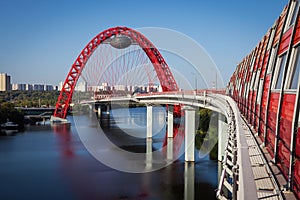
[(189, 134), (149, 121), (170, 121)]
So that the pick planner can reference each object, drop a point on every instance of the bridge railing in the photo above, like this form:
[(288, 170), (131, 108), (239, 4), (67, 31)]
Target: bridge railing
[(201, 92)]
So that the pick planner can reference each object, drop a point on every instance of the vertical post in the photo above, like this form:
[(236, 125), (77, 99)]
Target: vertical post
[(108, 109), (189, 134), (189, 181), (222, 135), (294, 134), (91, 109), (170, 121), (99, 111), (149, 121)]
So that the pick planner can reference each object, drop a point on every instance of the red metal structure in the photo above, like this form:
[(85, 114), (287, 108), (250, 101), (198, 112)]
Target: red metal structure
[(266, 87), (162, 70)]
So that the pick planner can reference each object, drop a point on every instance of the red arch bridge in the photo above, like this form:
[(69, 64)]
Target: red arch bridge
[(259, 140)]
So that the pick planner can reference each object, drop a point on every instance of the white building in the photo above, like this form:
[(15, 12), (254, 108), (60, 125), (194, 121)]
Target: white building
[(81, 87), (28, 87), (17, 86), (120, 87), (5, 84)]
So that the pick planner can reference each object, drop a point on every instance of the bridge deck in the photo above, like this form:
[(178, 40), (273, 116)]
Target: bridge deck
[(263, 177), (256, 174)]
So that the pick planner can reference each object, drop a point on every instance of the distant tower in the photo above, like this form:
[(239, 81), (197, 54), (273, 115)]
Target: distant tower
[(4, 82)]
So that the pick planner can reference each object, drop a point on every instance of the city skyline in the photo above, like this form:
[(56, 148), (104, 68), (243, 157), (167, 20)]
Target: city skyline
[(38, 45), (7, 85)]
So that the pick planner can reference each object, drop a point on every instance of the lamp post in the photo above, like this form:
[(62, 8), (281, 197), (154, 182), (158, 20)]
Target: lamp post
[(195, 81)]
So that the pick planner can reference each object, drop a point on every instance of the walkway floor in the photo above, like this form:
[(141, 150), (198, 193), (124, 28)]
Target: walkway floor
[(264, 170)]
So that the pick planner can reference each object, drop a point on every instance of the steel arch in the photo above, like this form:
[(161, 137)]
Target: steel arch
[(162, 70)]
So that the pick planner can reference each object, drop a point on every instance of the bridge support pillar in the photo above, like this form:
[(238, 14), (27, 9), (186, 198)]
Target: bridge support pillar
[(222, 136), (189, 134), (170, 121), (149, 121)]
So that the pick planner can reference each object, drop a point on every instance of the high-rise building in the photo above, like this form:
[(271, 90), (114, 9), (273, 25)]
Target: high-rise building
[(17, 86), (81, 86), (48, 88), (38, 87), (4, 82), (29, 87)]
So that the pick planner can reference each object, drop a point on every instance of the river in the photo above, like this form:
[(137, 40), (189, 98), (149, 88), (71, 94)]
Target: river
[(55, 162)]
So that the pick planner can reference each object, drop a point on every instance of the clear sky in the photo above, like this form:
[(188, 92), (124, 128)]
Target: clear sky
[(40, 39)]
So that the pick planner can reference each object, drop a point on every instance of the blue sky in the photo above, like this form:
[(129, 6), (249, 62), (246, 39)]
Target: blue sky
[(41, 39)]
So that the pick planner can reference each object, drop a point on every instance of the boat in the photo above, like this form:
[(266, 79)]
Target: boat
[(9, 126)]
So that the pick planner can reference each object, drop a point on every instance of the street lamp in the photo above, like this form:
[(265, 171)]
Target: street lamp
[(195, 80)]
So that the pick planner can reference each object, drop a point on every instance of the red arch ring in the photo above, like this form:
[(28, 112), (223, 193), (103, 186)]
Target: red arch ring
[(163, 72)]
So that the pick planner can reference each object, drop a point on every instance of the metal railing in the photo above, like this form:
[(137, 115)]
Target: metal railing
[(229, 178)]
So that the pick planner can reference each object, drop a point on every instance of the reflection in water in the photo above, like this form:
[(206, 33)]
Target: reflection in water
[(149, 159), (54, 164), (189, 181), (63, 134), (170, 149)]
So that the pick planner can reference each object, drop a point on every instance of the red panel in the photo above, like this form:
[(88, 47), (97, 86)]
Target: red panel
[(264, 67), (263, 52), (270, 141), (297, 178), (297, 165), (248, 105), (272, 121), (272, 116), (297, 34), (256, 117), (274, 98), (285, 41), (297, 152), (272, 112), (280, 25), (283, 159), (286, 118), (262, 122), (253, 108), (285, 131)]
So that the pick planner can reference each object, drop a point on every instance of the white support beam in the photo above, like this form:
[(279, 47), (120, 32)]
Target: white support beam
[(149, 121), (99, 112), (108, 109), (189, 134), (222, 136), (170, 121)]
